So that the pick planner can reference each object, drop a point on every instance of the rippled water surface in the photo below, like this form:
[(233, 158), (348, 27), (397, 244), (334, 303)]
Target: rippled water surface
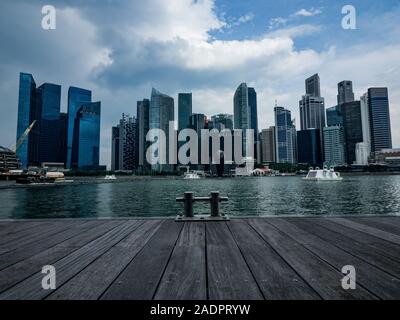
[(148, 197)]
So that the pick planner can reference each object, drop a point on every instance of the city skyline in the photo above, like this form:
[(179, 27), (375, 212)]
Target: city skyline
[(301, 51)]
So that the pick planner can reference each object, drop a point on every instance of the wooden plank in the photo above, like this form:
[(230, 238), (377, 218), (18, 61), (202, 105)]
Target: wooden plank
[(380, 283), (321, 276), (141, 277), (32, 248), (13, 239), (388, 224), (13, 227), (185, 276), (66, 268), (276, 279), (390, 237), (228, 274), (363, 240), (24, 269), (90, 283)]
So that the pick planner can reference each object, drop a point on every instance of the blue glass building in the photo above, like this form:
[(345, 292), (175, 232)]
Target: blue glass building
[(76, 98), (184, 110), (49, 125), (379, 119), (334, 116), (26, 104), (309, 147), (253, 112), (352, 123), (285, 135), (86, 137)]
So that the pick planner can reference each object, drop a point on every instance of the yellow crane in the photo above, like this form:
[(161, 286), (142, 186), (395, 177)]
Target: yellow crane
[(23, 136)]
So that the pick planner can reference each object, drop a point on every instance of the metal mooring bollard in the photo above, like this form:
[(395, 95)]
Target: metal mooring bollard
[(188, 214)]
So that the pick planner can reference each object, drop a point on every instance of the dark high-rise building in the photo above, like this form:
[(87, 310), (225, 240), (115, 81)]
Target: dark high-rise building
[(49, 125), (313, 87), (253, 112), (309, 147), (160, 114), (76, 98), (285, 135), (184, 110), (115, 149), (124, 144), (334, 117), (379, 119), (351, 112), (345, 92), (26, 106), (268, 148), (312, 106), (63, 137), (242, 113), (86, 138), (143, 109)]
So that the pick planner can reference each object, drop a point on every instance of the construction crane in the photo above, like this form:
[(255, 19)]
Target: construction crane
[(23, 137)]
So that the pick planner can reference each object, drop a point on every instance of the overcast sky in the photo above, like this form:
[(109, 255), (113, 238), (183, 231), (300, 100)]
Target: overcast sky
[(120, 49)]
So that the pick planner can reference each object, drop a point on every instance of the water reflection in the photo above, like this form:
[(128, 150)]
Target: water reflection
[(247, 196)]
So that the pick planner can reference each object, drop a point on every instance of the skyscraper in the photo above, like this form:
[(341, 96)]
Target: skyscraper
[(351, 112), (85, 153), (184, 110), (124, 137), (242, 113), (76, 98), (345, 92), (253, 112), (285, 132), (49, 140), (268, 148), (334, 146), (143, 110), (309, 147), (313, 87), (221, 122), (312, 105), (115, 148), (160, 114), (379, 119), (333, 116), (363, 149), (26, 104)]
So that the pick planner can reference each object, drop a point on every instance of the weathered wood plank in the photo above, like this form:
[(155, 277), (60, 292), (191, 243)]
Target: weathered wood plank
[(321, 276), (90, 283), (24, 269), (277, 280), (66, 268), (185, 276), (141, 277), (380, 283), (365, 241), (26, 250), (366, 229), (228, 274), (388, 224)]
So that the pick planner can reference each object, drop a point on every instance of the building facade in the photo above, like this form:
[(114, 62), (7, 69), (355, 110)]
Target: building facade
[(379, 119), (160, 114), (268, 147), (334, 146), (352, 123), (184, 110), (285, 136), (309, 147), (345, 92), (143, 109)]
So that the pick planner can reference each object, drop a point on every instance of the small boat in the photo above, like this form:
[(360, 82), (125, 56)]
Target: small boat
[(110, 177), (324, 174), (191, 175)]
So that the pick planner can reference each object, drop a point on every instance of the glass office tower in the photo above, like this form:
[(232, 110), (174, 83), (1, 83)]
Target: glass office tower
[(309, 147), (184, 110), (143, 109), (76, 98), (86, 138), (379, 119), (285, 136), (26, 103)]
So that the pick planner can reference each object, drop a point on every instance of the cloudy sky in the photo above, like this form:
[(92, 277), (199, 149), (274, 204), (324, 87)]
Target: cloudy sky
[(120, 49)]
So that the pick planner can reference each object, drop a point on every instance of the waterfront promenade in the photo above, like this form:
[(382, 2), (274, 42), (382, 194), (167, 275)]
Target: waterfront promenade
[(255, 258)]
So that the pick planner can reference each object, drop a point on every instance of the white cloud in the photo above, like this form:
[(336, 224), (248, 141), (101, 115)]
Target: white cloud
[(308, 13)]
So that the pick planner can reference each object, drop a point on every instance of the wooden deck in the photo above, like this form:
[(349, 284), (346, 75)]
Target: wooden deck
[(261, 258)]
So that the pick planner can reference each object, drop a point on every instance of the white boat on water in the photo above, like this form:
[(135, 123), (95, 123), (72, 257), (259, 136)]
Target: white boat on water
[(191, 175), (110, 177), (324, 174)]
